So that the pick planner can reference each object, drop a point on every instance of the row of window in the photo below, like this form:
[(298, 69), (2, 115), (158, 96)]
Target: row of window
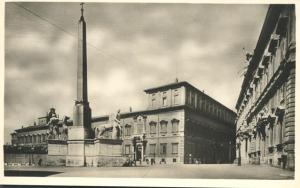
[(163, 148), (274, 136), (31, 139), (206, 132), (201, 102), (155, 99), (194, 99), (152, 149), (260, 84), (163, 127), (274, 54)]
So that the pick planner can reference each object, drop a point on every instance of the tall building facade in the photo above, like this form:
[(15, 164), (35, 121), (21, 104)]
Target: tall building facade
[(266, 104), (180, 125)]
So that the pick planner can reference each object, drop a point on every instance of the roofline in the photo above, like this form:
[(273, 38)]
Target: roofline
[(167, 86), (186, 84), (100, 118), (150, 111), (34, 127), (30, 128), (128, 114), (267, 29)]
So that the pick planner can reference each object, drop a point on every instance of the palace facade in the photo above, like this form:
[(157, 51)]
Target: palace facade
[(266, 104), (181, 124)]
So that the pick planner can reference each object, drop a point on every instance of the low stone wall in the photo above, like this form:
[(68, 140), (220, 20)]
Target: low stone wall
[(105, 152), (57, 151), (56, 160), (96, 153), (12, 159), (108, 147), (104, 161)]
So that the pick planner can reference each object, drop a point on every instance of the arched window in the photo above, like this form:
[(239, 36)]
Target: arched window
[(39, 138), (140, 125), (152, 149), (164, 99), (152, 126), (127, 149), (153, 100), (163, 149), (176, 97), (43, 138), (127, 130), (175, 123), (163, 126), (174, 148)]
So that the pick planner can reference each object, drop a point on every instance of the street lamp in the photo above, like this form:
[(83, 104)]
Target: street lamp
[(144, 142), (134, 149), (229, 152), (31, 161), (239, 154), (238, 145)]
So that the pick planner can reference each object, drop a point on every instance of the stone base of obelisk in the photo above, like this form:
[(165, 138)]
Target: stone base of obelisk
[(76, 146), (76, 154)]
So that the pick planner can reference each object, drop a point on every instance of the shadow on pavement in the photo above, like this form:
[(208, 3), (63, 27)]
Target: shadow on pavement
[(29, 173)]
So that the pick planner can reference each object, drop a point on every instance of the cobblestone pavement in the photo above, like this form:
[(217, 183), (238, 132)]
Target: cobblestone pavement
[(207, 171)]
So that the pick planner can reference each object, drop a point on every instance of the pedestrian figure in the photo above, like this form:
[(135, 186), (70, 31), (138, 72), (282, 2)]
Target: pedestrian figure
[(40, 162)]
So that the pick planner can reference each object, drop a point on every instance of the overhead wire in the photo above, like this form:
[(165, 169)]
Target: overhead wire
[(65, 31)]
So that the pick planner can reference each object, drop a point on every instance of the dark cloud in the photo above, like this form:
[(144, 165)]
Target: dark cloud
[(132, 46)]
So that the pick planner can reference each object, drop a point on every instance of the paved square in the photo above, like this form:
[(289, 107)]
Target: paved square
[(204, 171)]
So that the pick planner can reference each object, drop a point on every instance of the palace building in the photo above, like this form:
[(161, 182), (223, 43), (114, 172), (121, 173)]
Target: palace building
[(266, 104), (180, 124)]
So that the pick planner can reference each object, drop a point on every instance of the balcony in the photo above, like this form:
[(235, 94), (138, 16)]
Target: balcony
[(274, 40), (255, 79), (248, 94), (266, 59), (271, 149), (271, 120), (279, 111), (251, 88), (260, 70)]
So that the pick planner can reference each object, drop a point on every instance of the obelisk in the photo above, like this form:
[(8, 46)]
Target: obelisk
[(81, 129), (82, 111)]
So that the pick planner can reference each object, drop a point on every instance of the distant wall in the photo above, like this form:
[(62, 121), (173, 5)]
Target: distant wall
[(101, 152), (108, 147), (25, 159)]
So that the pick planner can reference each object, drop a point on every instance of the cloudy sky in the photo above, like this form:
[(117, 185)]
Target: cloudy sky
[(131, 47)]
